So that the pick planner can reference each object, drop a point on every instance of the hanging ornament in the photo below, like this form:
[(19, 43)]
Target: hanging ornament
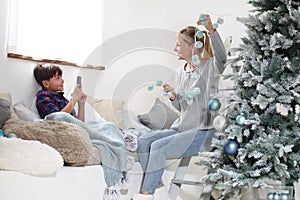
[(231, 147), (199, 34), (202, 17), (158, 83), (181, 92), (214, 104), (240, 119), (198, 44), (196, 91), (195, 76), (150, 88), (195, 59), (219, 122)]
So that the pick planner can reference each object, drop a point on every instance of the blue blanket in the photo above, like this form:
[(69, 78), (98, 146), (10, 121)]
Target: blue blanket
[(108, 138)]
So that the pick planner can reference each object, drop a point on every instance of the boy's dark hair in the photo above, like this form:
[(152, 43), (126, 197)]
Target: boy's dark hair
[(45, 72)]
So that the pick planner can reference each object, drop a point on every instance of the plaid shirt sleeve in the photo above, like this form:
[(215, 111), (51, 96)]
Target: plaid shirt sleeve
[(49, 102)]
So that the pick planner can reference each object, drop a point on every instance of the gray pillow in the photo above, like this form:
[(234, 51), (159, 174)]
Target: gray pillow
[(159, 117), (24, 112), (4, 111)]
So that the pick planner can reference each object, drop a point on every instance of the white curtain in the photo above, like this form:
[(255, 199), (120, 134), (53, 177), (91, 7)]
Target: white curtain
[(55, 29)]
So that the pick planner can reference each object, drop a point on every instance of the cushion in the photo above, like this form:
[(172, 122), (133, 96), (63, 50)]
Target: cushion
[(159, 117), (110, 109), (25, 113), (70, 140), (30, 157), (4, 111), (7, 97)]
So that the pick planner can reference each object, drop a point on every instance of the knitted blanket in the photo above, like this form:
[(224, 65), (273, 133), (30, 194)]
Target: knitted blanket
[(108, 138)]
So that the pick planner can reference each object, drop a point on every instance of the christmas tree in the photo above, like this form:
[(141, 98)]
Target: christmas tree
[(261, 138)]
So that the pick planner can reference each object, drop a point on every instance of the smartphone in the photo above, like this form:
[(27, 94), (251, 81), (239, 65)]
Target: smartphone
[(78, 80)]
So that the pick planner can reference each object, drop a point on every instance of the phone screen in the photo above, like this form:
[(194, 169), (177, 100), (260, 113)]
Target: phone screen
[(78, 80)]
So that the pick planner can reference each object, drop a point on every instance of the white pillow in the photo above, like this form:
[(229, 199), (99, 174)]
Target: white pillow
[(24, 112), (110, 109), (91, 115)]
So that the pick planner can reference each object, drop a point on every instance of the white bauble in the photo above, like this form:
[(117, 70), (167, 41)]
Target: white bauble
[(219, 122)]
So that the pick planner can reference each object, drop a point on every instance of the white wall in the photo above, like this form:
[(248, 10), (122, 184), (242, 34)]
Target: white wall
[(121, 17)]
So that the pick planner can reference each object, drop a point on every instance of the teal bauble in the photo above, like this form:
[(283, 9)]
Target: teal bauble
[(150, 88), (214, 104), (231, 147), (2, 134), (240, 120), (158, 83), (195, 59)]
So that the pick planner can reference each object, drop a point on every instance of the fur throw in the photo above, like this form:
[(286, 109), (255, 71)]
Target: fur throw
[(70, 140)]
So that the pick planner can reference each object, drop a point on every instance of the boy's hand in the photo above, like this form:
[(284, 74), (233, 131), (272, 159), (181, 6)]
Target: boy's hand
[(77, 93)]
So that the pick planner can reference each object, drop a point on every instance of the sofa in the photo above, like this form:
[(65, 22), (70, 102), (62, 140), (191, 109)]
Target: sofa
[(55, 160)]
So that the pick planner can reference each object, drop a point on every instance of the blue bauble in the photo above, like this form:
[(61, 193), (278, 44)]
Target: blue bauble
[(2, 134), (214, 104), (231, 147), (240, 120), (12, 135)]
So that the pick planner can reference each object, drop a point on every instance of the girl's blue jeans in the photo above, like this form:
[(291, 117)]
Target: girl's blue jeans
[(156, 146)]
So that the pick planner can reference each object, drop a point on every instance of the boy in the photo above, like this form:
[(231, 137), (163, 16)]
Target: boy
[(50, 98)]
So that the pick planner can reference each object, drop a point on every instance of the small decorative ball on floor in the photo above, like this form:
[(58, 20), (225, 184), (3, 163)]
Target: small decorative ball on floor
[(214, 104), (231, 147), (285, 196), (276, 196), (12, 135), (2, 134), (270, 196)]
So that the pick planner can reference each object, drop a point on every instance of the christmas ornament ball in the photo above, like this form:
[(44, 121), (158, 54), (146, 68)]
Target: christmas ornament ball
[(2, 134), (240, 120), (219, 122), (270, 196), (12, 135), (276, 196), (285, 196), (214, 104), (231, 147)]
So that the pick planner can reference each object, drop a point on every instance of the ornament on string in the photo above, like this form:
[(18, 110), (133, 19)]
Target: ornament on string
[(231, 147), (214, 104), (202, 18), (195, 59), (219, 122), (240, 119)]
